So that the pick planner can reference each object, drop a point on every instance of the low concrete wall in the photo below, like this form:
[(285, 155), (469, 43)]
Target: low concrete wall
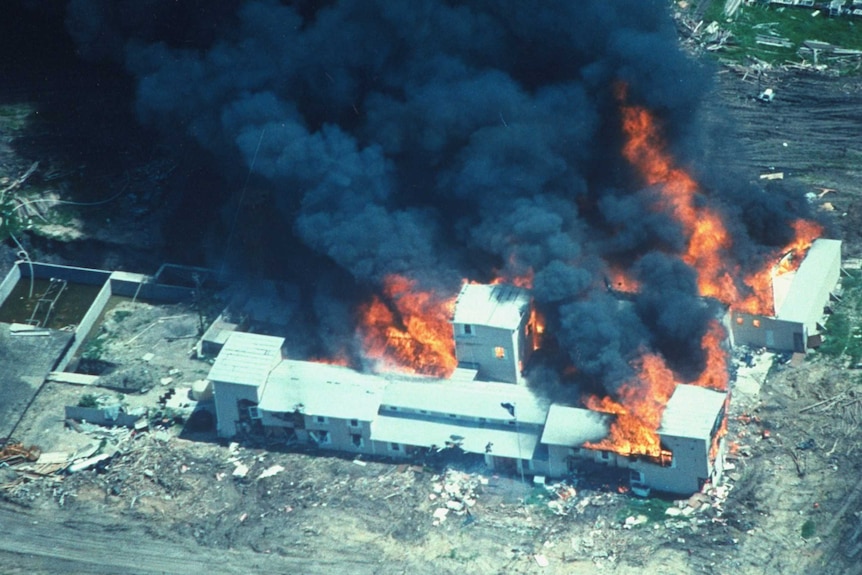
[(144, 287), (109, 415), (71, 274), (85, 326), (113, 283), (9, 283)]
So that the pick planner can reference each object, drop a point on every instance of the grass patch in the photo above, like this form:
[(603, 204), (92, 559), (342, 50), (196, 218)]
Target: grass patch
[(843, 337), (94, 348), (796, 25), (88, 400), (809, 528), (120, 315), (653, 508)]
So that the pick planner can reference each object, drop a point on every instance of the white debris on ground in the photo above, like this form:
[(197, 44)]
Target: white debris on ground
[(752, 368), (456, 492)]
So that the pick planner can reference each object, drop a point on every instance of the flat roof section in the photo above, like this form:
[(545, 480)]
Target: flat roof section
[(691, 412), (479, 399), (574, 426), (247, 359), (473, 439), (321, 389), (800, 304), (25, 361), (497, 305)]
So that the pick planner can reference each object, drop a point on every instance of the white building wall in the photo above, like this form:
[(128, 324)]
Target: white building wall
[(226, 396), (688, 471), (494, 352)]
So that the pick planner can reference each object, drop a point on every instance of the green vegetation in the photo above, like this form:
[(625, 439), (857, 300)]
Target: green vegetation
[(653, 508), (121, 314), (94, 348), (796, 25), (843, 338), (88, 400), (808, 529)]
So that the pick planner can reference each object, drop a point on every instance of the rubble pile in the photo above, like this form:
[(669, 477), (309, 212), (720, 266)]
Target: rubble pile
[(563, 497), (455, 492)]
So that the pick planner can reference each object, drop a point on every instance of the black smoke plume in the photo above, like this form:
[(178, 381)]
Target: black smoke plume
[(442, 140)]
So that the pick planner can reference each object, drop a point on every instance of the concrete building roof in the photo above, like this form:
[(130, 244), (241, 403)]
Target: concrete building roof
[(512, 443), (691, 412), (247, 359), (497, 305), (321, 389), (478, 399), (802, 302), (574, 426)]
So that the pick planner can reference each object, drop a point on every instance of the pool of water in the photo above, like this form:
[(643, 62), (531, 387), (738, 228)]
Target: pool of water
[(69, 307)]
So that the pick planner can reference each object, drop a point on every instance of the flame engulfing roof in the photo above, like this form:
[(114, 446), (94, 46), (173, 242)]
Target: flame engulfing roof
[(495, 305), (692, 412)]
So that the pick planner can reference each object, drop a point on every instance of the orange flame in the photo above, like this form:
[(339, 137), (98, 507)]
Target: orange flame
[(514, 274), (535, 329), (714, 375), (409, 330), (708, 238), (638, 410), (619, 280), (760, 301)]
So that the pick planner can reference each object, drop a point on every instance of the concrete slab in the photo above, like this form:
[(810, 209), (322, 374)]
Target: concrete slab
[(25, 362), (749, 379)]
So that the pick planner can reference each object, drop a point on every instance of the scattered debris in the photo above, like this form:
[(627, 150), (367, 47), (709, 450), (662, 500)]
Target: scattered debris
[(269, 471)]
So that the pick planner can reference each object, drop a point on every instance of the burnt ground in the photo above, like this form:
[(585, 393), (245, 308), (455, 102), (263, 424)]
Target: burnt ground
[(169, 502)]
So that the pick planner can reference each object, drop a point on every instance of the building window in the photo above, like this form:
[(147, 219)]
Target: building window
[(321, 419), (394, 447), (467, 329), (606, 455), (755, 322), (453, 416), (357, 440), (739, 320), (254, 412), (320, 437), (500, 352), (354, 423)]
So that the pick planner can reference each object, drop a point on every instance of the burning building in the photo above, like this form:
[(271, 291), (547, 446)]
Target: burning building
[(496, 319), (395, 150), (800, 298), (691, 442), (503, 420)]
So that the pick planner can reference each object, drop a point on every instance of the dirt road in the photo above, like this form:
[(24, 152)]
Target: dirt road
[(37, 543)]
